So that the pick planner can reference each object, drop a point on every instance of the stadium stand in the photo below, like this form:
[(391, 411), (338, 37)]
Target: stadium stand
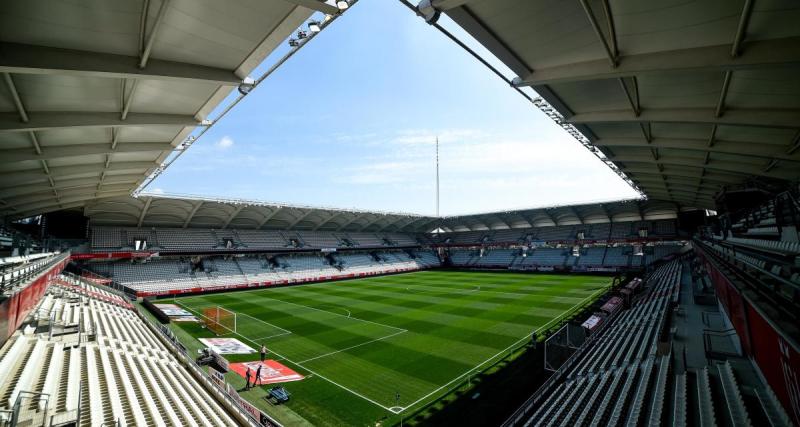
[(104, 239), (171, 275), (609, 257), (85, 356), (628, 372)]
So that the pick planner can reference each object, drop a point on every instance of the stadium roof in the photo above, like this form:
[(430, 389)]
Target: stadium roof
[(201, 212), (587, 213), (185, 211), (96, 94), (684, 97)]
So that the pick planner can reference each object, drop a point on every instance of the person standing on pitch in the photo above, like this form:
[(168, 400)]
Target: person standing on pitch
[(263, 352), (258, 376), (247, 379)]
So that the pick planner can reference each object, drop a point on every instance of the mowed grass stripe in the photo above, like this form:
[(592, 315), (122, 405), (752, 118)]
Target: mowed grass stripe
[(451, 325)]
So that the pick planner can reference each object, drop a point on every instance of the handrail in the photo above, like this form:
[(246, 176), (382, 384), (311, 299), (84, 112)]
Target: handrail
[(12, 278), (199, 374)]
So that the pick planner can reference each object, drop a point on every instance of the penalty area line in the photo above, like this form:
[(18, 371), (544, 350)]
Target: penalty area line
[(353, 346), (282, 357)]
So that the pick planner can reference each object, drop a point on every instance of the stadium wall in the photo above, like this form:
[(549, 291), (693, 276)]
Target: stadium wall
[(15, 308), (773, 352)]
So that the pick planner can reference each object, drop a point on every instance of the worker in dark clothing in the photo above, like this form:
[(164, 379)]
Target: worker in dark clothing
[(247, 379), (258, 376)]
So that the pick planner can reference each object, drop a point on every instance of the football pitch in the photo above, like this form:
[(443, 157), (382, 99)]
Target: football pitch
[(376, 348)]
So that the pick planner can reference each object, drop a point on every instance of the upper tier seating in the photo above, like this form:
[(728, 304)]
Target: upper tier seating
[(203, 240), (601, 231)]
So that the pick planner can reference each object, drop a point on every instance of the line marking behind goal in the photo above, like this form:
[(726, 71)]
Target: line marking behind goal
[(314, 372)]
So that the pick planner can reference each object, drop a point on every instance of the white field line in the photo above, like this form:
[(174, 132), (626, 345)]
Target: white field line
[(442, 290), (562, 313), (315, 373), (399, 409), (353, 346), (495, 355), (264, 322), (312, 308), (463, 375), (274, 336)]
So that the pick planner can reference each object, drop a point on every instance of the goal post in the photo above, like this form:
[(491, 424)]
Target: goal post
[(220, 320)]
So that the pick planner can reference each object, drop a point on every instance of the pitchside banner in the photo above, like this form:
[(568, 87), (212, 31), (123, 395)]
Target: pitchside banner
[(271, 371), (226, 345)]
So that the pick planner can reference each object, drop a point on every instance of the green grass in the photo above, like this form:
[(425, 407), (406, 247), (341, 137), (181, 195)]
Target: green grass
[(362, 342)]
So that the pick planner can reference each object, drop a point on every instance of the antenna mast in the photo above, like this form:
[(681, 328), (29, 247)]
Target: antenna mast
[(437, 176)]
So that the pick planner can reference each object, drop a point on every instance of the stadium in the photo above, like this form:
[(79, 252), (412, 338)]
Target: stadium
[(123, 305)]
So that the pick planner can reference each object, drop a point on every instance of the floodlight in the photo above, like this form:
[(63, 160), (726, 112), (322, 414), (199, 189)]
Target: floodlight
[(314, 27), (342, 4), (301, 34), (293, 43), (247, 85)]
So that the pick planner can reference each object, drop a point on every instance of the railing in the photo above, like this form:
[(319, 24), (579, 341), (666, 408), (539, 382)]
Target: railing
[(189, 363), (13, 276), (546, 387)]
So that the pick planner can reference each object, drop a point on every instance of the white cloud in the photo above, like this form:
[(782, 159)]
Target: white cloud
[(157, 191), (224, 143)]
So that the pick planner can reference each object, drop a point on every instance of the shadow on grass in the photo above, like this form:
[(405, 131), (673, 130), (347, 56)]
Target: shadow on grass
[(491, 397)]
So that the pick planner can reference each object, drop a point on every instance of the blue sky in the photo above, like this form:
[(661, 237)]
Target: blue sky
[(350, 121)]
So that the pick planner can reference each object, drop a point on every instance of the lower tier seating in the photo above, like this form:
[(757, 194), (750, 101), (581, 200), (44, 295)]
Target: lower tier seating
[(111, 369)]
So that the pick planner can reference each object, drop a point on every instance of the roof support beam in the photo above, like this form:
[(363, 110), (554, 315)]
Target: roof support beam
[(77, 197), (268, 217), (65, 186), (299, 218), (741, 30), (472, 25), (656, 183), (681, 180), (795, 144), (599, 31), (550, 216), (758, 118), (348, 222), (421, 223), (151, 39), (633, 98), (445, 5), (722, 177), (67, 120), (189, 217), (60, 152), (319, 6), (372, 222), (742, 169), (726, 81), (327, 220), (233, 216), (10, 179), (143, 213), (755, 54), (30, 59), (391, 224), (735, 148), (12, 88)]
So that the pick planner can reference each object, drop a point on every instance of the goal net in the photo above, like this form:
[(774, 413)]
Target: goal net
[(220, 320)]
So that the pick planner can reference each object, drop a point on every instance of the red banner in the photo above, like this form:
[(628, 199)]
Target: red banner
[(16, 307), (271, 371), (776, 358)]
